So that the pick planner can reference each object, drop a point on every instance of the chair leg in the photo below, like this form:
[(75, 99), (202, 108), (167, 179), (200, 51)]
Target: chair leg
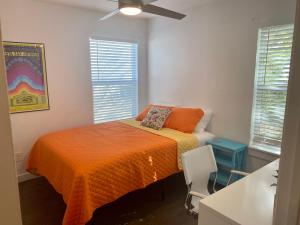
[(188, 199)]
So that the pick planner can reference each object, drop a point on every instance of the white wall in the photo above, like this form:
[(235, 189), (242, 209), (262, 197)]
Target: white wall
[(10, 212), (65, 32), (208, 59)]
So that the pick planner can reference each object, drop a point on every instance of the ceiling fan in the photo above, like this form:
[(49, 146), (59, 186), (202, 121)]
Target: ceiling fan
[(135, 7)]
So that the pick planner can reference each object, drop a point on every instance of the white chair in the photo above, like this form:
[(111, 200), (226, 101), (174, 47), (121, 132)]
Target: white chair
[(198, 165)]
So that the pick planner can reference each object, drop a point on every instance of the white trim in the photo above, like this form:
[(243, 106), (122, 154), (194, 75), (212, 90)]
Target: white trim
[(106, 38), (265, 155), (266, 149), (10, 212), (287, 203), (263, 143), (26, 176)]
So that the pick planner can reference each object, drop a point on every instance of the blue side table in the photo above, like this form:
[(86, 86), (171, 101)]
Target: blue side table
[(230, 155)]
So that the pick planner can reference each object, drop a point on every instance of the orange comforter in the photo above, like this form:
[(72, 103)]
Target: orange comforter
[(95, 165)]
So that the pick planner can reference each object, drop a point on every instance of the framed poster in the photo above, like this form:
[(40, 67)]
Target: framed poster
[(26, 76)]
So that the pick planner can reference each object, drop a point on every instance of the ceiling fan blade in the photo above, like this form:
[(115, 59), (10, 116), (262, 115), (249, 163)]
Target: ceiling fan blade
[(162, 12), (110, 15), (146, 2)]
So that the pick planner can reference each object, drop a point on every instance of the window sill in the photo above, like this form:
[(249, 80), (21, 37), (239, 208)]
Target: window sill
[(266, 149), (267, 154)]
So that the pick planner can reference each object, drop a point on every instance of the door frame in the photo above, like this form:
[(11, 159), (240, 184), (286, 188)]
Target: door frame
[(10, 212), (287, 201)]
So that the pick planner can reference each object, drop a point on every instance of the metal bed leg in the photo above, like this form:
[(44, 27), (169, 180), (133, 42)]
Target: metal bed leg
[(162, 191)]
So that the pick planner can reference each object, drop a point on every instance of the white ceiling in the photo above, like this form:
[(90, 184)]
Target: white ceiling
[(108, 6)]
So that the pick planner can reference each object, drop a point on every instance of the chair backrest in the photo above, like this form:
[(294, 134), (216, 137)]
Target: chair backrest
[(198, 165)]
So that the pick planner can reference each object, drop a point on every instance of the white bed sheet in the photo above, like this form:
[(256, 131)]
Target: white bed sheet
[(204, 136)]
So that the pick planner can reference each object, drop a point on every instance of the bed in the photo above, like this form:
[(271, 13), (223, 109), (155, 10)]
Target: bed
[(95, 165)]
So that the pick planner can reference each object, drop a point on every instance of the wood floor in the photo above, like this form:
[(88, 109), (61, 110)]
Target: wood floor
[(41, 205)]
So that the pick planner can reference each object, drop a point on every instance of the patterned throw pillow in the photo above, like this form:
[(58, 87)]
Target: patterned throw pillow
[(156, 117)]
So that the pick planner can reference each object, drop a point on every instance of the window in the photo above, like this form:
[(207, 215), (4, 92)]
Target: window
[(114, 79), (271, 82)]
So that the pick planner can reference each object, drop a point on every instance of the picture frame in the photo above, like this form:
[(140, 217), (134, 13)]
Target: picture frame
[(26, 76)]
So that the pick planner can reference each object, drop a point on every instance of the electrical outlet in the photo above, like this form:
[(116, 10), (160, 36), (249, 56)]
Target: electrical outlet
[(19, 156)]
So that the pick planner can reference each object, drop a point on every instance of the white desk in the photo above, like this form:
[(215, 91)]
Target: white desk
[(249, 201)]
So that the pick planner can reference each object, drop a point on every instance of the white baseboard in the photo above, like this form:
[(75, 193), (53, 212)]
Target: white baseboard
[(26, 176)]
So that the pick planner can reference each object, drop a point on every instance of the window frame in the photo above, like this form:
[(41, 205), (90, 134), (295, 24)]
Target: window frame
[(273, 149), (131, 41)]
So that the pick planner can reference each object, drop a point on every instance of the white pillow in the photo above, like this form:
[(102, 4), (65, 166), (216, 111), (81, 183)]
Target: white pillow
[(203, 123)]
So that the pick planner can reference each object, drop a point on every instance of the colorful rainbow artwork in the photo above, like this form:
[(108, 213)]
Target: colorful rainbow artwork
[(26, 76)]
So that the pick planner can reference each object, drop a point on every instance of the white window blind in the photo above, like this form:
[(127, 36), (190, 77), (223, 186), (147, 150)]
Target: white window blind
[(271, 82), (114, 79)]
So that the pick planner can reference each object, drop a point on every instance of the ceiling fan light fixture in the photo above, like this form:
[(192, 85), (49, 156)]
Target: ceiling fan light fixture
[(130, 10), (135, 7)]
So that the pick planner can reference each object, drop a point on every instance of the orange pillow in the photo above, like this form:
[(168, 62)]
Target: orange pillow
[(143, 114), (184, 119)]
